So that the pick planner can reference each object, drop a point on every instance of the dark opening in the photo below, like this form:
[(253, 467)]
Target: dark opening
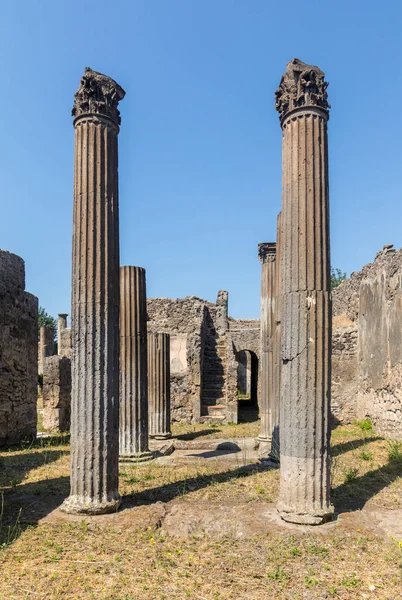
[(247, 385)]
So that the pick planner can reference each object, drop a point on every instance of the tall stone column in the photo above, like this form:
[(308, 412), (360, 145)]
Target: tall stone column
[(277, 345), (269, 404), (159, 385), (301, 101), (95, 298), (133, 429), (61, 325)]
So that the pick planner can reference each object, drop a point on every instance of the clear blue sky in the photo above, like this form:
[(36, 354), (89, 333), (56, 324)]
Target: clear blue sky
[(200, 142)]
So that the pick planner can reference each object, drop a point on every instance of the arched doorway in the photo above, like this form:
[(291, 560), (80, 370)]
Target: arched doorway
[(247, 385)]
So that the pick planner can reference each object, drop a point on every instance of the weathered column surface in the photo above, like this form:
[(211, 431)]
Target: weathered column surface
[(133, 429), (159, 385), (46, 345), (277, 345), (61, 325), (269, 404), (301, 101), (95, 298)]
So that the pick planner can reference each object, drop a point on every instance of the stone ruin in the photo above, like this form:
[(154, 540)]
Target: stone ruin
[(56, 386), (206, 357), (367, 349), (209, 351), (186, 359), (18, 353)]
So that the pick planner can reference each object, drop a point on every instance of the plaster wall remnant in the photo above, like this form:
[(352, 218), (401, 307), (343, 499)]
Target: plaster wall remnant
[(95, 298), (269, 403), (367, 358), (18, 353), (301, 101), (133, 427), (178, 353), (159, 385), (56, 393)]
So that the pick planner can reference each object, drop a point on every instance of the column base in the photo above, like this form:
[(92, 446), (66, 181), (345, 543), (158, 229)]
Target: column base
[(264, 446), (307, 519), (74, 505), (160, 436), (137, 458), (263, 439)]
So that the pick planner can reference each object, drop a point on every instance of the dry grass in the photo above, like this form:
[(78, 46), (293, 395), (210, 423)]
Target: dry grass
[(115, 560)]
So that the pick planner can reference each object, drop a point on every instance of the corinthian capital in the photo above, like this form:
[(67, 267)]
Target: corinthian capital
[(301, 85), (98, 94), (267, 251)]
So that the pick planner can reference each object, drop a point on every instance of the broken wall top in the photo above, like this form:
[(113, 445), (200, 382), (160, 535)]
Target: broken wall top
[(345, 297)]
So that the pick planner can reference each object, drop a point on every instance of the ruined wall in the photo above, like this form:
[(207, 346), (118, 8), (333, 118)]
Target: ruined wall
[(201, 355), (56, 393), (18, 352), (183, 319), (344, 369), (372, 301), (240, 338)]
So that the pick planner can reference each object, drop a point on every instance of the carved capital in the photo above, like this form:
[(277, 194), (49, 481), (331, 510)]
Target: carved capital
[(267, 251), (301, 86), (98, 94)]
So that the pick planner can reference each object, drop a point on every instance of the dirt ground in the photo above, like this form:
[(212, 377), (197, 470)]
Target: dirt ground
[(203, 525)]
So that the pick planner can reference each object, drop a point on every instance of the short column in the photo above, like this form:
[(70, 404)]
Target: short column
[(159, 385), (133, 428)]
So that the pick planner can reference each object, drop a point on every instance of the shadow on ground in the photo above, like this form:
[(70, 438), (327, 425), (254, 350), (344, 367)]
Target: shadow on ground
[(176, 489), (343, 447), (354, 494), (221, 450), (195, 434)]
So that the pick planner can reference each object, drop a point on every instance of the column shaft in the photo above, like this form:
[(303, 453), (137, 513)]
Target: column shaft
[(159, 385), (133, 429), (306, 323), (95, 299), (276, 347), (61, 325), (268, 401)]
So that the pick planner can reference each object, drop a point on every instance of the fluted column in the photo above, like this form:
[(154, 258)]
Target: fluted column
[(95, 299), (277, 347), (268, 412), (302, 103), (61, 324), (133, 429), (159, 385)]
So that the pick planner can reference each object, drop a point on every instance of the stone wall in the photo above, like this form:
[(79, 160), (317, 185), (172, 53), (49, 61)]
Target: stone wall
[(204, 342), (370, 302), (56, 393), (183, 319), (344, 369), (18, 352)]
